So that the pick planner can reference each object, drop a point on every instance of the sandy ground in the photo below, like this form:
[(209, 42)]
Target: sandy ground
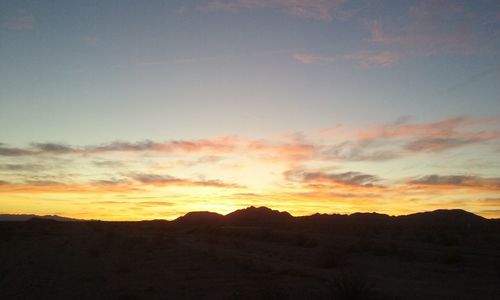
[(154, 260)]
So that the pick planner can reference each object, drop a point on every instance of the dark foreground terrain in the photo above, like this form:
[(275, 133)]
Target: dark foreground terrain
[(254, 253)]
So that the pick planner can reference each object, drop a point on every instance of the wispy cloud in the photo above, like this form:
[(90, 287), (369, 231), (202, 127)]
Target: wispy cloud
[(19, 22), (10, 151), (402, 138), (368, 59), (347, 178), (53, 148), (166, 180), (324, 10), (364, 58), (21, 167), (376, 143), (313, 59), (432, 27), (111, 182), (466, 181)]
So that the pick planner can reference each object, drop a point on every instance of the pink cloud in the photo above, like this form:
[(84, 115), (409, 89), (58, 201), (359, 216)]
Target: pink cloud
[(432, 27), (379, 142), (452, 127), (398, 139)]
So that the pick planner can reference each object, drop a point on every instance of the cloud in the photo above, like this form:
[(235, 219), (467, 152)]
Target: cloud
[(7, 151), (20, 22), (323, 10), (54, 186), (108, 164), (457, 181), (363, 58), (53, 148), (111, 182), (367, 59), (438, 144), (21, 167), (359, 150), (294, 151), (443, 128), (401, 138), (224, 144), (217, 145), (44, 183), (154, 203), (313, 59), (346, 178), (211, 149), (437, 26), (374, 143), (167, 180)]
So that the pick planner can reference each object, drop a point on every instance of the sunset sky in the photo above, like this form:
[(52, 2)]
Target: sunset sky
[(130, 110)]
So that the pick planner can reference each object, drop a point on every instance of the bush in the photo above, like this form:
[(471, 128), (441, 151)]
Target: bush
[(351, 285)]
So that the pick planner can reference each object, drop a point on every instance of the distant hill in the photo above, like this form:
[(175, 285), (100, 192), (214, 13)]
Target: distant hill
[(446, 216), (258, 216), (263, 216), (201, 218), (12, 217)]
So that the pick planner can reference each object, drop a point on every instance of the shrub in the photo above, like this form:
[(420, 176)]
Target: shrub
[(351, 285)]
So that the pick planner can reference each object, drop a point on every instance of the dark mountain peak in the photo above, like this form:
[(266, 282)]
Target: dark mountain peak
[(371, 217), (444, 216), (10, 217), (200, 217), (258, 216)]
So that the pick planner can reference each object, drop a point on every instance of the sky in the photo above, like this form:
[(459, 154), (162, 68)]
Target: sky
[(133, 110)]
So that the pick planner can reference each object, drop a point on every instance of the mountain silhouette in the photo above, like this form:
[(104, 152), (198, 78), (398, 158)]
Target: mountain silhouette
[(252, 216), (201, 218), (443, 216), (264, 216), (22, 217)]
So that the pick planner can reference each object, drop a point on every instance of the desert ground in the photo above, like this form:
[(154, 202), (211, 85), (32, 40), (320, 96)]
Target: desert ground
[(203, 257)]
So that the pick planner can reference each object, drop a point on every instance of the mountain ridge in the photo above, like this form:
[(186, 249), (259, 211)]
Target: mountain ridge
[(266, 216), (28, 217)]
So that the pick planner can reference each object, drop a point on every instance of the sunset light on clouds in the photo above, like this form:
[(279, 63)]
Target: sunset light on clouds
[(128, 110)]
